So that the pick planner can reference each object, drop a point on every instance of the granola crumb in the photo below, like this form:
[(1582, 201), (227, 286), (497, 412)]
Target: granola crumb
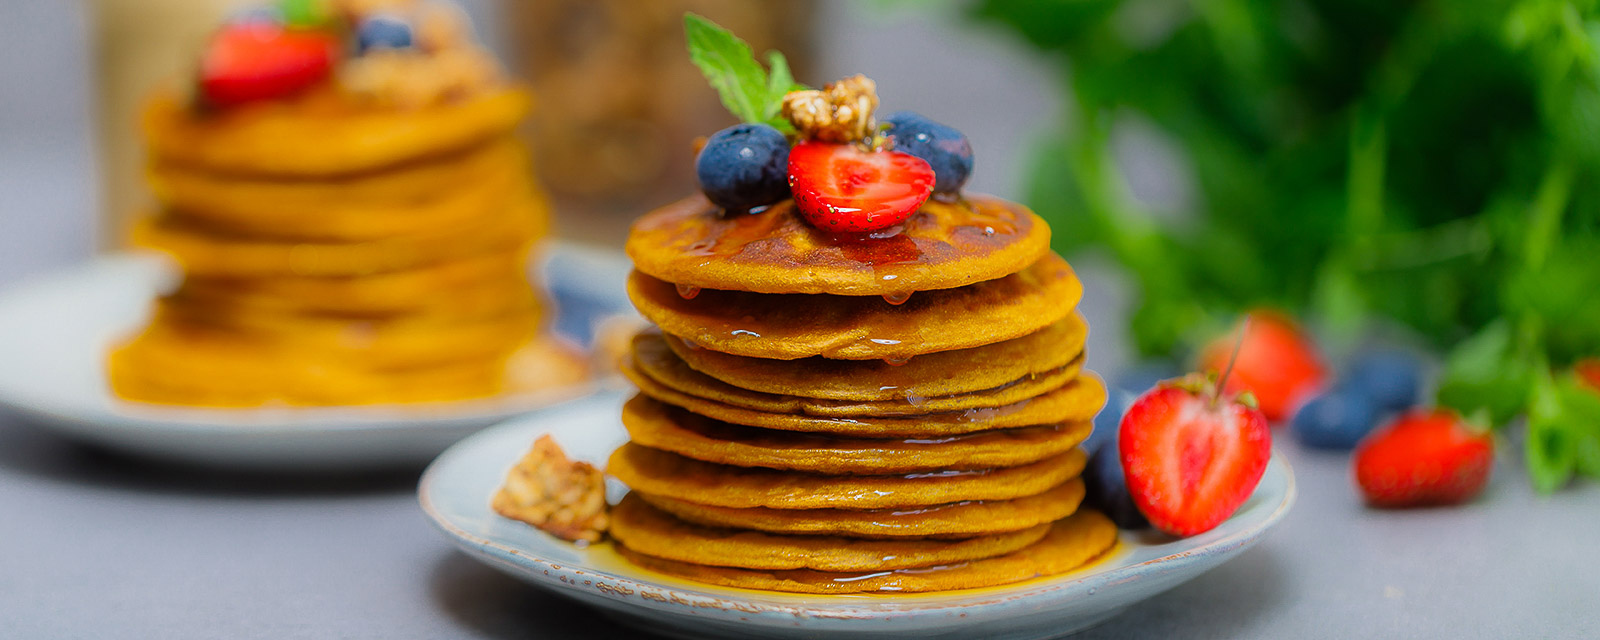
[(840, 112), (562, 497)]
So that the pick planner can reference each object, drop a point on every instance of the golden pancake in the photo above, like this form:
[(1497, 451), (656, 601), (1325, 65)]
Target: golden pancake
[(653, 358), (668, 474), (169, 341), (660, 426), (1071, 543), (959, 519), (789, 326), (350, 221), (256, 378), (421, 197), (927, 376), (322, 133), (474, 300), (1079, 400), (644, 529), (942, 246), (393, 291), (204, 252), (276, 315)]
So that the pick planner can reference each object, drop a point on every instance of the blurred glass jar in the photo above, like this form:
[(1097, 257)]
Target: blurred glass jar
[(619, 102), (139, 44)]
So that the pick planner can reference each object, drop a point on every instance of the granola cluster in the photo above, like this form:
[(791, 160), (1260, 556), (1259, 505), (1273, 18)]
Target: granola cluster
[(840, 112), (446, 64), (564, 498)]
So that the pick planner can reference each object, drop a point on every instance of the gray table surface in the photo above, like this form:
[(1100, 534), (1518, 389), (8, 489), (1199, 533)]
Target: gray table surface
[(93, 545)]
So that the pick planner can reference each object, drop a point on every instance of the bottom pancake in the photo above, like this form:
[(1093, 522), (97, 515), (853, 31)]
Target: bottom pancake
[(960, 519), (647, 530), (1071, 543)]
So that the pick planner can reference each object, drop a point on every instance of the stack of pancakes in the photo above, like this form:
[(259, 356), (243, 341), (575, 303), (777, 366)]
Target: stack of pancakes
[(335, 254), (834, 414)]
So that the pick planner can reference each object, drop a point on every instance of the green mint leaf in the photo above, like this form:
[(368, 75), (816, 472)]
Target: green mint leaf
[(1551, 449), (1486, 372), (1582, 405), (729, 66)]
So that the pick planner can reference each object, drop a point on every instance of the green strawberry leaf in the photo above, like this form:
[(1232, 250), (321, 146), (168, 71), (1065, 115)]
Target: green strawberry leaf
[(1487, 372), (731, 67), (1582, 405)]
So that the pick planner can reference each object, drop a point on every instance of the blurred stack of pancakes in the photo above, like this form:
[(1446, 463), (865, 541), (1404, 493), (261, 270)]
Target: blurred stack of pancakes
[(340, 254), (830, 414)]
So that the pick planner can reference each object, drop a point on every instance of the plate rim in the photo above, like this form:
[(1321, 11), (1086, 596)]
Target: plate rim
[(551, 574)]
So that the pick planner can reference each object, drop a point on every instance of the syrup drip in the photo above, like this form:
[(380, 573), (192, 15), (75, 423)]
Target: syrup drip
[(897, 299), (692, 345), (895, 362), (688, 291)]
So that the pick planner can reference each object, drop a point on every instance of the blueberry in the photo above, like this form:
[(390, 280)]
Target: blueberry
[(383, 31), (1107, 487), (945, 149), (1391, 378), (1337, 419), (744, 166)]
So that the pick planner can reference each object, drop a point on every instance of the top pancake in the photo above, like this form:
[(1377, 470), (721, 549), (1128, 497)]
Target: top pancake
[(322, 133), (944, 245)]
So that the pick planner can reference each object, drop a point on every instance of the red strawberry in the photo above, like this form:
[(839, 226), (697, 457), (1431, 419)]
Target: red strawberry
[(1192, 457), (839, 187), (1588, 370), (251, 61), (1424, 457), (1277, 363)]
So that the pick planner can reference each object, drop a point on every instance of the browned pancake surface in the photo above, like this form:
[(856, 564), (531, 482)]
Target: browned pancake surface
[(941, 246), (648, 530), (790, 326), (669, 474), (927, 376), (960, 519)]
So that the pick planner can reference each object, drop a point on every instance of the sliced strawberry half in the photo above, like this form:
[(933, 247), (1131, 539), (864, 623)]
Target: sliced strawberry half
[(841, 188), (248, 62), (1190, 457)]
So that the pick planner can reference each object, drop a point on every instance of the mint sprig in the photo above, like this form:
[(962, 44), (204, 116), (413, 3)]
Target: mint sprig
[(747, 90)]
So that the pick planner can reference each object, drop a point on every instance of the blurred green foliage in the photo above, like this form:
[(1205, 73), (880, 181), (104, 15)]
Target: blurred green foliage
[(1435, 163)]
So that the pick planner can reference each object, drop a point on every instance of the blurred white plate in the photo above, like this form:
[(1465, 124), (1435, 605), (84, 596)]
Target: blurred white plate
[(456, 490), (55, 330)]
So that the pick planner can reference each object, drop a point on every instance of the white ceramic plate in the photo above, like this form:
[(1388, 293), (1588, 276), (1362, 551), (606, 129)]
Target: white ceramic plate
[(55, 329), (456, 489)]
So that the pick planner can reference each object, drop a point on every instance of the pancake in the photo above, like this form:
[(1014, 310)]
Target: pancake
[(394, 291), (927, 376), (251, 378), (960, 519), (942, 246), (323, 134), (668, 474), (1071, 543), (421, 197), (644, 529), (660, 426), (393, 344), (790, 326), (653, 358), (205, 252), (1078, 400)]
